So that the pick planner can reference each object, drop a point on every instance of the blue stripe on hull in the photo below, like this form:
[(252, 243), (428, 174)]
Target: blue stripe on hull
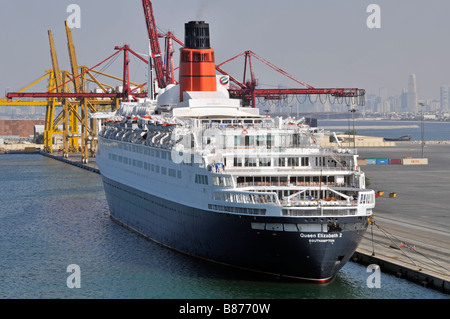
[(230, 239)]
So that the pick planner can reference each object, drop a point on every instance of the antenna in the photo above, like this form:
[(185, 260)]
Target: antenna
[(150, 73), (422, 128)]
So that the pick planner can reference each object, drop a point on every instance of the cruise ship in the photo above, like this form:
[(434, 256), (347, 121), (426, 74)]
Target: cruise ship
[(198, 173)]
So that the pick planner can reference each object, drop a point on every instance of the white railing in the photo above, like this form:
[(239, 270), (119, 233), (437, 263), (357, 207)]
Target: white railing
[(318, 203), (247, 197), (318, 211)]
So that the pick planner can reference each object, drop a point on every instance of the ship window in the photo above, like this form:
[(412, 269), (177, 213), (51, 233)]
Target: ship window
[(228, 181), (269, 140), (282, 161), (250, 162), (178, 174), (201, 179), (264, 161), (237, 161), (248, 140), (157, 168), (367, 199), (163, 170), (260, 141), (296, 139), (163, 154), (305, 161), (172, 172), (320, 161), (239, 140), (240, 210), (222, 181), (293, 161)]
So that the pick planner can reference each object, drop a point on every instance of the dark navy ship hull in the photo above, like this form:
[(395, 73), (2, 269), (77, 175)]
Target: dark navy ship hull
[(273, 245)]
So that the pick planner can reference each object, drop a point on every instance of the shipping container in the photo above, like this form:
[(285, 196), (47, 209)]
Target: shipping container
[(415, 161), (395, 161), (382, 161), (371, 161), (362, 162)]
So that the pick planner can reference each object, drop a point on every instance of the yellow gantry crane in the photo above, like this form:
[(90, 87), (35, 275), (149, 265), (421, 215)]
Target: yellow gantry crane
[(27, 103), (74, 114), (68, 92)]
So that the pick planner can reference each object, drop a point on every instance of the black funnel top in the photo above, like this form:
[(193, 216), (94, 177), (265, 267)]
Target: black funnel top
[(196, 35)]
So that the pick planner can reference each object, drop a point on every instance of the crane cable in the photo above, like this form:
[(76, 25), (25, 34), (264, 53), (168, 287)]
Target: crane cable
[(391, 237)]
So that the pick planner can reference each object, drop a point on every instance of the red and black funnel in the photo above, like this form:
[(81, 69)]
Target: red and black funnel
[(197, 63)]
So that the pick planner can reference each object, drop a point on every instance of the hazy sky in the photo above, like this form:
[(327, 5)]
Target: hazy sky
[(325, 43)]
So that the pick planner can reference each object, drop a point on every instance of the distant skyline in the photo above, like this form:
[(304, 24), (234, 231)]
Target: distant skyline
[(324, 43)]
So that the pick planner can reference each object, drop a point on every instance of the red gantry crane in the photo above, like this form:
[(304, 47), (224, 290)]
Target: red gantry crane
[(164, 72), (247, 91)]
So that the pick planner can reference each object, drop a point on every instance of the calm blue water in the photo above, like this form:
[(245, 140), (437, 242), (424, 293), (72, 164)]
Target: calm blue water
[(53, 215), (434, 131)]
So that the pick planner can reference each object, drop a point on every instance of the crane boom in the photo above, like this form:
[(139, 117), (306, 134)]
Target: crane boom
[(73, 59), (154, 42), (56, 71)]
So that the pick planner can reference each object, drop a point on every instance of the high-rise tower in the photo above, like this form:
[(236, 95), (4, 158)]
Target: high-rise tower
[(412, 98), (445, 105)]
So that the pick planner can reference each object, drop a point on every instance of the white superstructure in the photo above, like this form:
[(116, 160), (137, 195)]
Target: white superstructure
[(211, 153)]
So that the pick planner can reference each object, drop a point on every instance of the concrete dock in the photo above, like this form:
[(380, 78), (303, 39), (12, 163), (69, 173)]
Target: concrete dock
[(76, 160), (410, 237)]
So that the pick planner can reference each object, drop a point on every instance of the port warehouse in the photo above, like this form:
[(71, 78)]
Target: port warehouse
[(392, 161)]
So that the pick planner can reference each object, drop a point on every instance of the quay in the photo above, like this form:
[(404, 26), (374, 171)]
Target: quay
[(76, 160), (410, 234)]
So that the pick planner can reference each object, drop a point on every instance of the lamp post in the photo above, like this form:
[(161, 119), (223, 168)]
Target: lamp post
[(422, 128), (352, 110)]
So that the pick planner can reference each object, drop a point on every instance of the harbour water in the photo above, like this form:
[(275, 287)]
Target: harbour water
[(54, 215)]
